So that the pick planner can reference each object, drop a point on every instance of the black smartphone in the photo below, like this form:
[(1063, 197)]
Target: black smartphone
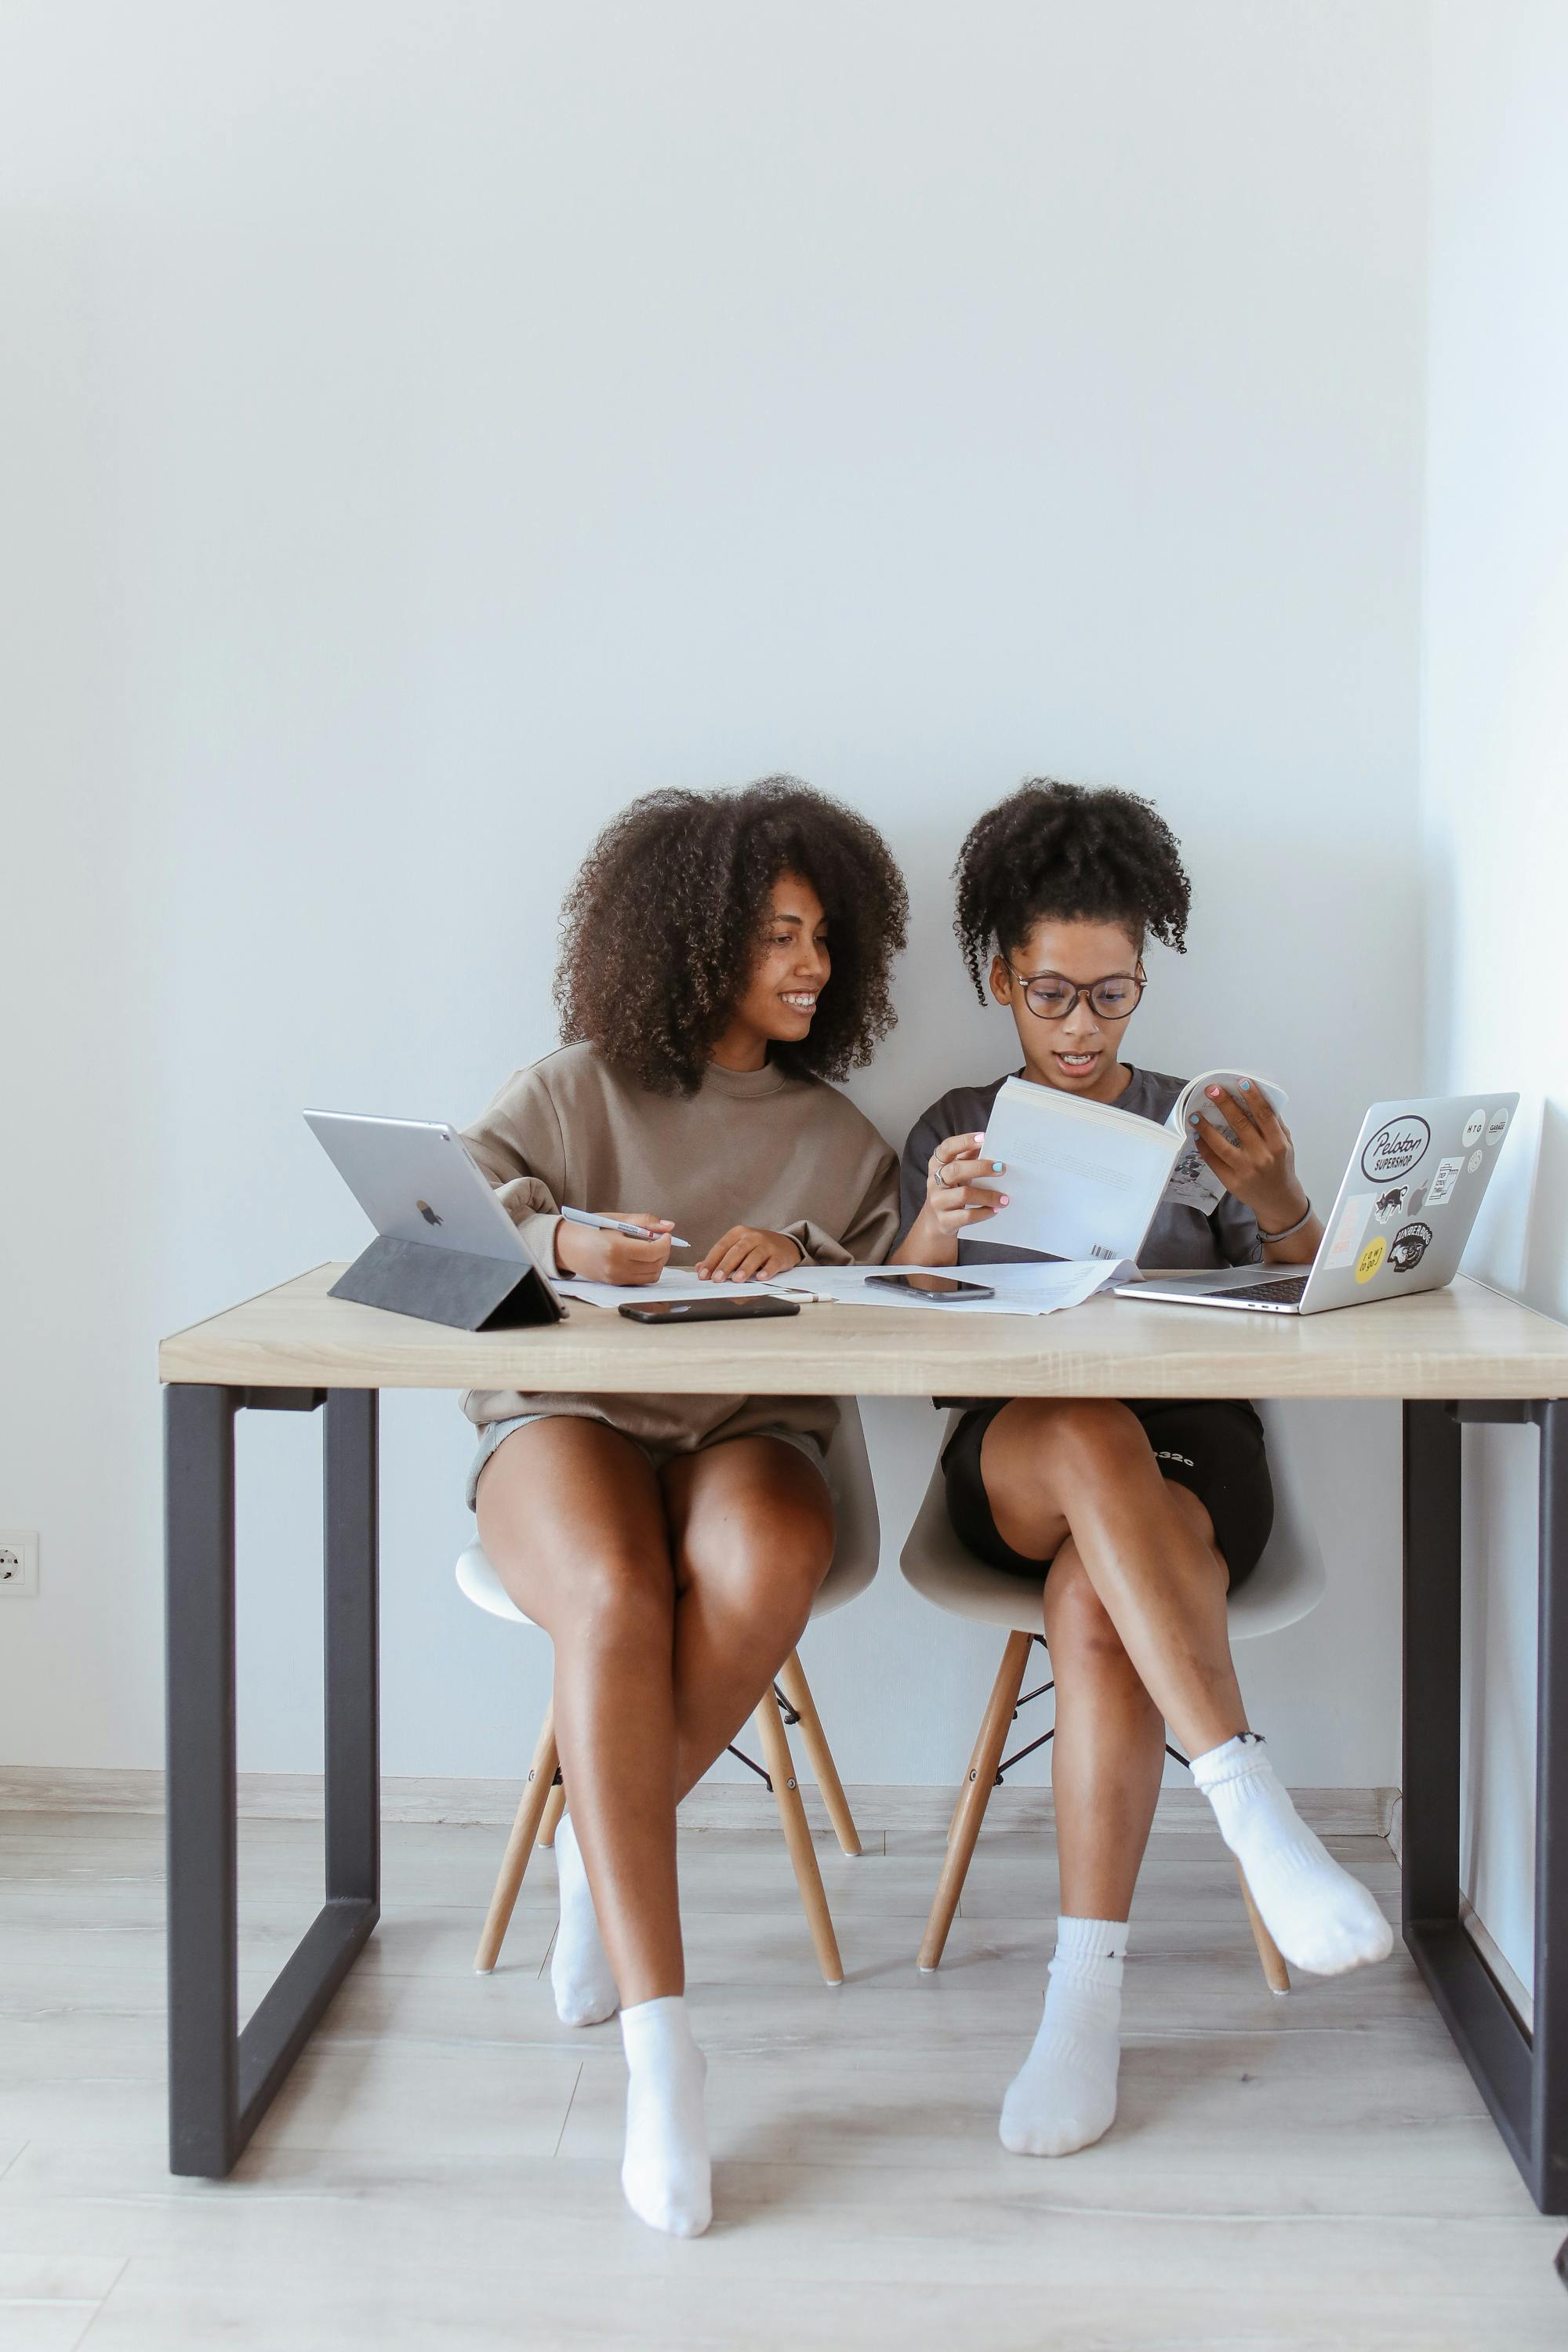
[(930, 1285), (709, 1310)]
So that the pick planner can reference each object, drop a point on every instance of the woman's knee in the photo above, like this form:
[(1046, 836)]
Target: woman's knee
[(615, 1596), (1095, 1437), (769, 1567)]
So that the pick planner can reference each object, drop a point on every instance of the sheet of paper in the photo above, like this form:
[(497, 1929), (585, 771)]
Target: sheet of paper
[(674, 1282), (1019, 1289), (1083, 1184)]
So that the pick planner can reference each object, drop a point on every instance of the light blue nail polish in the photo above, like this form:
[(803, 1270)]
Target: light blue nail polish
[(996, 1168), (1192, 1118), (1247, 1086)]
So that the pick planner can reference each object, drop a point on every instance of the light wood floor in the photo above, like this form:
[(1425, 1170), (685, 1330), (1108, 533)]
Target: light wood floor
[(441, 2168)]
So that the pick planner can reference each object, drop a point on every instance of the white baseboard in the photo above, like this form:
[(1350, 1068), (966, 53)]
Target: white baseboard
[(715, 1804)]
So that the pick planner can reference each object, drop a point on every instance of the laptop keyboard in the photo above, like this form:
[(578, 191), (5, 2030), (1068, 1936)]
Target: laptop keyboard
[(1283, 1293)]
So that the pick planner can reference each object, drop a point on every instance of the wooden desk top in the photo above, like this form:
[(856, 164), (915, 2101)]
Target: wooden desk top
[(1467, 1341)]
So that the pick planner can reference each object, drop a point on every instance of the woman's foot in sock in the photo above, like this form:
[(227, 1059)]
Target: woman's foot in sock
[(579, 1972), (1321, 1918), (666, 2174), (1064, 2096)]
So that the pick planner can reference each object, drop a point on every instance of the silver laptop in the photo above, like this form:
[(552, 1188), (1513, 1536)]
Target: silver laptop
[(416, 1182), (1400, 1220)]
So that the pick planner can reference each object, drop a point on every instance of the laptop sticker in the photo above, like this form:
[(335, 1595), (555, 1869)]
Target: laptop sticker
[(1410, 1246), (1345, 1239), (1396, 1148), (1445, 1176), (1474, 1128), (1371, 1258), (1497, 1127), (1390, 1205), (1474, 1161)]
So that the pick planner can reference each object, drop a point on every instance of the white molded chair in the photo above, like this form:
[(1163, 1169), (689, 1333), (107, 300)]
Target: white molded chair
[(1286, 1585), (856, 1547)]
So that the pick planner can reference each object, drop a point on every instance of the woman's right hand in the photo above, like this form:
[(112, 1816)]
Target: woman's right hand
[(955, 1199), (597, 1256)]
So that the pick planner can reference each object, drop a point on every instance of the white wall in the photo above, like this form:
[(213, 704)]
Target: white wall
[(1495, 786), (426, 428)]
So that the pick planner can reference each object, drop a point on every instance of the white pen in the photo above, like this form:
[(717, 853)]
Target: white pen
[(614, 1225)]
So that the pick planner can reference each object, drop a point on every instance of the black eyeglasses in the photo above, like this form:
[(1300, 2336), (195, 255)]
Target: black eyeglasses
[(1053, 996)]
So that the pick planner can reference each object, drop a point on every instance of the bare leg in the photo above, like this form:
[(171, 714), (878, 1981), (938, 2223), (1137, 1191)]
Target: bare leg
[(1105, 1778), (1087, 1469), (670, 1611), (572, 1519), (1084, 1467), (1109, 1750), (751, 1527)]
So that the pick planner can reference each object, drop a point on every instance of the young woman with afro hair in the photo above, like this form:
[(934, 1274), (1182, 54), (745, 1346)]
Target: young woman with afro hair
[(725, 956), (1135, 1516)]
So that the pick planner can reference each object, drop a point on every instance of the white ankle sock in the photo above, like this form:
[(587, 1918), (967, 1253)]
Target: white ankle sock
[(666, 2173), (1321, 1918), (1064, 2096), (579, 1972)]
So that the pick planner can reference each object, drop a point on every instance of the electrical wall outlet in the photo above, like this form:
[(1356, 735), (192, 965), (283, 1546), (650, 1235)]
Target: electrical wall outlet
[(18, 1561)]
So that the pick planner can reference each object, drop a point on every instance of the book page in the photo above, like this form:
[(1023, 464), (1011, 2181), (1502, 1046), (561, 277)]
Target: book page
[(1082, 1179)]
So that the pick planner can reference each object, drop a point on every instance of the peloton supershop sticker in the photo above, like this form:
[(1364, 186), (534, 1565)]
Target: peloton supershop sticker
[(1497, 1127), (1411, 1243), (1474, 1128), (1396, 1148), (1371, 1258)]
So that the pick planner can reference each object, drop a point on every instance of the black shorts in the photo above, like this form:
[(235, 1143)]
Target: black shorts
[(1209, 1445)]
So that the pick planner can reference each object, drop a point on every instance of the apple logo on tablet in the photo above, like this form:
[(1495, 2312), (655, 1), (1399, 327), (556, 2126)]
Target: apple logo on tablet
[(427, 1212)]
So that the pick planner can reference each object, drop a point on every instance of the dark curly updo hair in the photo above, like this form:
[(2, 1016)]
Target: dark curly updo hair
[(1067, 853), (662, 927)]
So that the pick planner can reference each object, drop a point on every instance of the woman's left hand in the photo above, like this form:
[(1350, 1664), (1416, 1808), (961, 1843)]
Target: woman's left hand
[(1259, 1167), (749, 1254)]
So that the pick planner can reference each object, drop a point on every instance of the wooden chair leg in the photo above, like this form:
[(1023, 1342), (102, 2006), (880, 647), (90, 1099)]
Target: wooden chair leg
[(1277, 1976), (970, 1770), (519, 1845), (975, 1794), (554, 1806), (797, 1837), (798, 1690)]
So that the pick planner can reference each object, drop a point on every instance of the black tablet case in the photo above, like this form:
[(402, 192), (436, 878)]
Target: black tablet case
[(443, 1286)]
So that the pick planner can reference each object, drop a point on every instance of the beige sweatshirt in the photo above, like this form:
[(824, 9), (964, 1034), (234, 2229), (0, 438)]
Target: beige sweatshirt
[(749, 1148)]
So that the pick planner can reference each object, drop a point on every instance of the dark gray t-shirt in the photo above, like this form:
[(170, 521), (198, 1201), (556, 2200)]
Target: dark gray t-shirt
[(1178, 1236)]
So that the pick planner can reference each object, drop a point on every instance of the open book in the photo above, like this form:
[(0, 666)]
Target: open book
[(1083, 1179)]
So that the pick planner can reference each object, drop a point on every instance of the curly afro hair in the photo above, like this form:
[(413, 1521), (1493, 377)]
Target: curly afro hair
[(1073, 855), (662, 926)]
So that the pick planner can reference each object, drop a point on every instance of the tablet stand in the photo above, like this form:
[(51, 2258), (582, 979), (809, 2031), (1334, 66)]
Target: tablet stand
[(444, 1285)]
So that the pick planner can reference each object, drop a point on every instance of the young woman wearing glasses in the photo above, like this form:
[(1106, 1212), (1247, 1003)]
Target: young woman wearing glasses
[(725, 954), (1136, 1516)]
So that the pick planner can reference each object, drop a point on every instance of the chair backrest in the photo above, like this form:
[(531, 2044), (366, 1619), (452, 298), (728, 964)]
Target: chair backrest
[(1287, 1584), (857, 1543), (1291, 1579)]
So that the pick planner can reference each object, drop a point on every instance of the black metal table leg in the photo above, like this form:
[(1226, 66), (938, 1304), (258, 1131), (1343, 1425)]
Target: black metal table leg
[(221, 2081), (1520, 2073)]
